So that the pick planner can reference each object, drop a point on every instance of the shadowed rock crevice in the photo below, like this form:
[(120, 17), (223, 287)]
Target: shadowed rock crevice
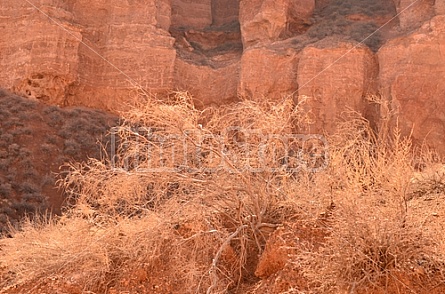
[(365, 21), (208, 49)]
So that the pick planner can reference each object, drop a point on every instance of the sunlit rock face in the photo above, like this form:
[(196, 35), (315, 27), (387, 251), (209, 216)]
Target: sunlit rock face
[(333, 53), (86, 53), (412, 69)]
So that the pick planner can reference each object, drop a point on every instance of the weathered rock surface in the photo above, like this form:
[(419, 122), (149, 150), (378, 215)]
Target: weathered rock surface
[(440, 7), (44, 60), (212, 84), (411, 78), (225, 12), (265, 21), (191, 14), (100, 53), (413, 13), (214, 39), (88, 53), (335, 79), (135, 51), (268, 73), (208, 55)]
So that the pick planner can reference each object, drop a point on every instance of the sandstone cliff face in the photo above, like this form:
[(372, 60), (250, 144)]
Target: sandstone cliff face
[(269, 73), (412, 69), (224, 12), (213, 85), (83, 52), (99, 53), (196, 14), (208, 52), (38, 58), (335, 78), (413, 13), (133, 38), (271, 20), (439, 7)]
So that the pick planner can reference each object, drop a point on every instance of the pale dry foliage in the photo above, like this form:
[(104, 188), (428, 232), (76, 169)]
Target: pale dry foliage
[(379, 239), (200, 219)]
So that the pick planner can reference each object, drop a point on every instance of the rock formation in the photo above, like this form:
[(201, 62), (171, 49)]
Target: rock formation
[(102, 53), (213, 85), (87, 53), (411, 78), (439, 7), (224, 12), (335, 78), (413, 13), (196, 14), (271, 20), (39, 58), (269, 73)]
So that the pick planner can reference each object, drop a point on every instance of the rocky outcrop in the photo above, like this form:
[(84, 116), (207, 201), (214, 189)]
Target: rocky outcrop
[(126, 50), (439, 7), (44, 61), (101, 53), (335, 80), (210, 85), (225, 12), (209, 53), (269, 73), (412, 13), (265, 21), (191, 14), (411, 78), (86, 53)]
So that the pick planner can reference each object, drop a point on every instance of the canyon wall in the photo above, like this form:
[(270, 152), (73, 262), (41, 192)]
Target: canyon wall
[(335, 54), (86, 53), (336, 77), (191, 13), (412, 74), (413, 13), (39, 58)]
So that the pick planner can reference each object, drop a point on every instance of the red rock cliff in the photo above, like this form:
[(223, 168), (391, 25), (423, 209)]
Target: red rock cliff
[(334, 52)]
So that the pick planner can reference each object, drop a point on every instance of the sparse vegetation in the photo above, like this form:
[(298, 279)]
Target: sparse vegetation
[(198, 222), (366, 7), (338, 25), (29, 143), (334, 20)]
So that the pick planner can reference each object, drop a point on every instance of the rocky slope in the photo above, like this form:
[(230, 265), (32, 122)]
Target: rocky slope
[(336, 53), (35, 140)]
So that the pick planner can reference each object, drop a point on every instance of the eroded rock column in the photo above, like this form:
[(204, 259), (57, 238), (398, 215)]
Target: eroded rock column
[(265, 21), (335, 78), (412, 74), (269, 73)]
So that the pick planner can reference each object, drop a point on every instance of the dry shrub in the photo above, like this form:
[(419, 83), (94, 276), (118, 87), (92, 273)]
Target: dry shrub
[(429, 178), (191, 197), (187, 195), (376, 236), (50, 250)]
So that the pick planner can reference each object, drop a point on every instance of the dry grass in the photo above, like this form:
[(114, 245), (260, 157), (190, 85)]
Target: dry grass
[(378, 240), (199, 220)]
